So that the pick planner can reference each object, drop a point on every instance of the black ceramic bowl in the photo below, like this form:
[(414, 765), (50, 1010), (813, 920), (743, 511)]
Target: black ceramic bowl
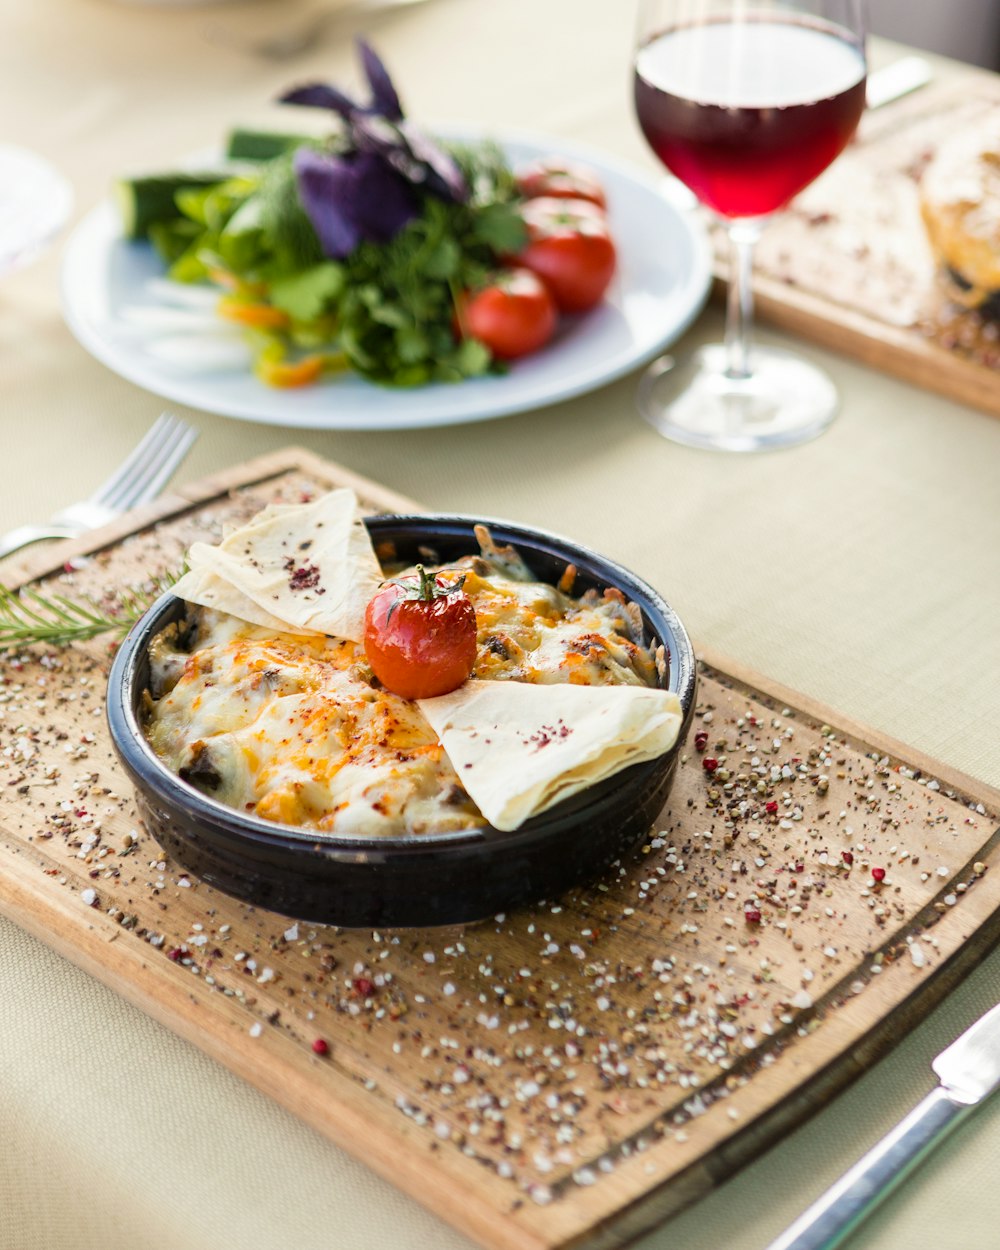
[(432, 879)]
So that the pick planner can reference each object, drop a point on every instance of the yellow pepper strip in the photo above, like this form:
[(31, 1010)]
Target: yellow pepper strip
[(286, 374), (259, 316)]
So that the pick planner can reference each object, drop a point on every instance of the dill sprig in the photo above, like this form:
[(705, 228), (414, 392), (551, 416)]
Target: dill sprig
[(29, 616)]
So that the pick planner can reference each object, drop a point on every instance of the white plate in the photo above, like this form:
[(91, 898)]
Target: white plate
[(661, 284)]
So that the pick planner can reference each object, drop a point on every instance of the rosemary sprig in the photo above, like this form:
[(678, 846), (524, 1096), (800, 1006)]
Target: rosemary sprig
[(29, 616)]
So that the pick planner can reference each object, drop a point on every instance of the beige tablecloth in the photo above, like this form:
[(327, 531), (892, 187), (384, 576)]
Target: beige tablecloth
[(862, 568)]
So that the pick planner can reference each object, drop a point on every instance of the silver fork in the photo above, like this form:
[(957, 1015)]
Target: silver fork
[(138, 479)]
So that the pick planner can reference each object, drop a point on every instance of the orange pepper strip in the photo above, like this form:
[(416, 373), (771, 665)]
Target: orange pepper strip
[(260, 316), (279, 373)]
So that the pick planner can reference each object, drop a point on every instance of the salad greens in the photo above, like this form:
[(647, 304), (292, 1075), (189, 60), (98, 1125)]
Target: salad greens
[(355, 248)]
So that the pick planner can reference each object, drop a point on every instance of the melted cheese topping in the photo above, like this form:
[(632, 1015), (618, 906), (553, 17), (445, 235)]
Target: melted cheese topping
[(293, 728)]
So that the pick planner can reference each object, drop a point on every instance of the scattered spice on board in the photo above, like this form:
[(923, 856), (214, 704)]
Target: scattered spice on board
[(615, 1014)]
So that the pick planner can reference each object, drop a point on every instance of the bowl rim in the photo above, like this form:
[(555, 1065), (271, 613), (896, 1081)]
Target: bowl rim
[(149, 770)]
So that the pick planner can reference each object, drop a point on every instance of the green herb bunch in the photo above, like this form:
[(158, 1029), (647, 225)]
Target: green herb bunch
[(30, 616)]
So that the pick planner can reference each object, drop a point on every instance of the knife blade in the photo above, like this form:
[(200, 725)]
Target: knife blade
[(897, 79), (968, 1071)]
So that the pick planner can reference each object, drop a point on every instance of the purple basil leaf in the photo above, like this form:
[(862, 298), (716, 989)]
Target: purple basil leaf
[(411, 153), (384, 97), (353, 198), (319, 178), (374, 134), (444, 176), (321, 96)]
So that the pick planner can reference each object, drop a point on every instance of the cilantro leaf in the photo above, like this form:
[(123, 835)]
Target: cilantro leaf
[(500, 227), (307, 294)]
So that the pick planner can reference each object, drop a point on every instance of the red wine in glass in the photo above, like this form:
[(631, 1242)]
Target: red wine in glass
[(746, 102), (746, 114)]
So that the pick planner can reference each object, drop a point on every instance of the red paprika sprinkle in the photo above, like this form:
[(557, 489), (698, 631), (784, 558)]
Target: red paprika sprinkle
[(710, 764), (878, 874), (321, 1047), (752, 915)]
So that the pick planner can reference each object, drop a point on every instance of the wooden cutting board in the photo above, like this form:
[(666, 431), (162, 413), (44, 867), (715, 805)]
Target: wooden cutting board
[(565, 1075), (848, 265)]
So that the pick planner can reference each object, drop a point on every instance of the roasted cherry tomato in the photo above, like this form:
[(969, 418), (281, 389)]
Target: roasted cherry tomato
[(420, 634), (513, 316), (570, 248), (554, 176)]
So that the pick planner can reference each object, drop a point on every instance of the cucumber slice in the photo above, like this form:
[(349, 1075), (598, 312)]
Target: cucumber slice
[(261, 145), (147, 200)]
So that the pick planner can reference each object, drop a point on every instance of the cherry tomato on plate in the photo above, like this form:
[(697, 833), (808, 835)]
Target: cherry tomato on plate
[(570, 248), (553, 176), (420, 634), (513, 316)]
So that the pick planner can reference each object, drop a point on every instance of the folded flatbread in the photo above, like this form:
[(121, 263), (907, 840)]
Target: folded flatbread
[(201, 585), (520, 748), (300, 568)]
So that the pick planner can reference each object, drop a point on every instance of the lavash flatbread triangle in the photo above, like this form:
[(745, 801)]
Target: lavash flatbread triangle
[(520, 748), (308, 567), (202, 586)]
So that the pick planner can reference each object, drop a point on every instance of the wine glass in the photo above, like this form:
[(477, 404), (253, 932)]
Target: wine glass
[(35, 203), (746, 102)]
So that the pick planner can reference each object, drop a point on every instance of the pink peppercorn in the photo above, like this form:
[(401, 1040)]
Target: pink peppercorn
[(710, 763), (363, 986), (848, 857), (752, 916), (878, 874), (321, 1047), (771, 808), (700, 740)]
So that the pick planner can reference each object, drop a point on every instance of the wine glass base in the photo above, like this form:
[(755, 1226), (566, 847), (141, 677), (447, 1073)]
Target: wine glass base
[(785, 401)]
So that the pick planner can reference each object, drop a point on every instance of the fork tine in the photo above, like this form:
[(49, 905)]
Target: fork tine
[(141, 465), (107, 492), (164, 469), (144, 468), (132, 487)]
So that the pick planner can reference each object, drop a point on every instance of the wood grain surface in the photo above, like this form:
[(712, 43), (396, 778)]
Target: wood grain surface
[(563, 1075), (848, 264)]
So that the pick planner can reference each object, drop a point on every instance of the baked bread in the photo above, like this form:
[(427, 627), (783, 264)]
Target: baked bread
[(960, 204)]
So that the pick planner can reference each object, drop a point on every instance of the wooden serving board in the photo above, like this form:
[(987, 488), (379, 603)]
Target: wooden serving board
[(848, 265), (565, 1075)]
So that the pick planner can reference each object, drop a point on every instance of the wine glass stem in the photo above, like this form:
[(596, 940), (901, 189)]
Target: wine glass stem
[(743, 236)]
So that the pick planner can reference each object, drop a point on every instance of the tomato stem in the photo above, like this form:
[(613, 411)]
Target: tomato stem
[(428, 584)]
